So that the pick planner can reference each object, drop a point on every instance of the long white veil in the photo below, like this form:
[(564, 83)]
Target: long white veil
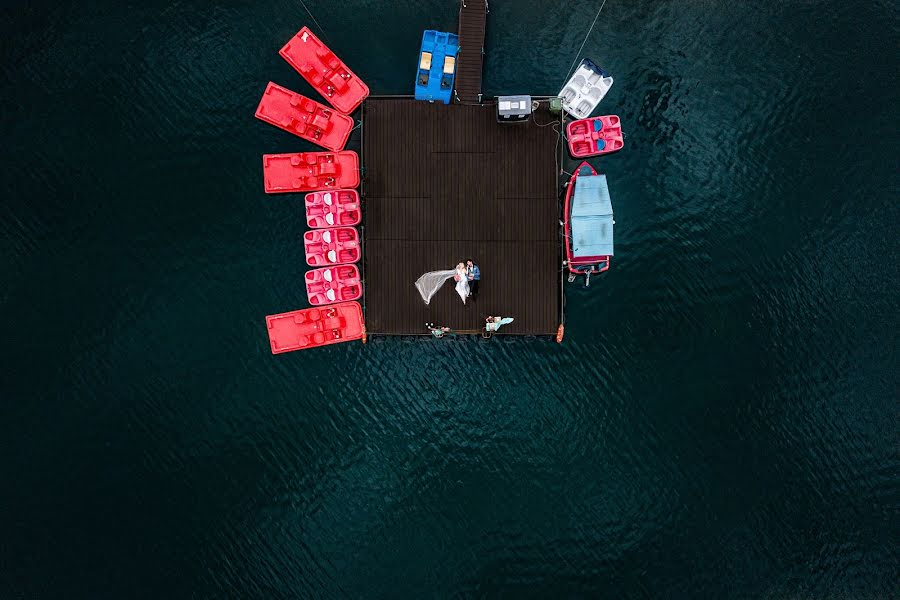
[(429, 283)]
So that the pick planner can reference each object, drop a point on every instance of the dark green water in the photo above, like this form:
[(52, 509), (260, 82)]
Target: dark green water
[(719, 423)]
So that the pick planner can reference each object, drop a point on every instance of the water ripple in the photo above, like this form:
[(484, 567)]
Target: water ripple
[(717, 422)]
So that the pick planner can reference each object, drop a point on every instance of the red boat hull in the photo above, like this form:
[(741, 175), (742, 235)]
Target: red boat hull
[(580, 264), (314, 327), (585, 139), (324, 71), (333, 284), (304, 118), (333, 209), (310, 171), (324, 247)]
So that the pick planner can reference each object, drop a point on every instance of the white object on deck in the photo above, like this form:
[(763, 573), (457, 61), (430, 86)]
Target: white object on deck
[(326, 275), (511, 109)]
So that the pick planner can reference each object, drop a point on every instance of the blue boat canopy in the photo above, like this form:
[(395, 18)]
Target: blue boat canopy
[(592, 217)]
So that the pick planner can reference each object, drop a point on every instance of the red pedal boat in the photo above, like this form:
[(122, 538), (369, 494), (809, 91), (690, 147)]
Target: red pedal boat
[(313, 327), (331, 246), (588, 223), (310, 171), (324, 71), (304, 117), (595, 136), (333, 284), (331, 208)]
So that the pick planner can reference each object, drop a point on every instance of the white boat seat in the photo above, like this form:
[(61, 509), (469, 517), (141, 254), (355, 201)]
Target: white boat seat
[(449, 65)]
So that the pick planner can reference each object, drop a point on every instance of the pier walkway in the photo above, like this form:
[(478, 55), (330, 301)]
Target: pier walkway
[(472, 22)]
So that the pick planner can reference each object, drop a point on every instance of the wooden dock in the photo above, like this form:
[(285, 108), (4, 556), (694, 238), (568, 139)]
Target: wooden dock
[(472, 22), (445, 183)]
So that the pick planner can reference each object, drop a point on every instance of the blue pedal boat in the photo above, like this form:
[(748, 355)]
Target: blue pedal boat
[(437, 66)]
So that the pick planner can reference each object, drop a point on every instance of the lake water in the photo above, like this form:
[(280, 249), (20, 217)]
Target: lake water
[(718, 423)]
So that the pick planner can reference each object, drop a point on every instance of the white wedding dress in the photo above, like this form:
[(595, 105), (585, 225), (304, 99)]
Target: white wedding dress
[(462, 286), (429, 283)]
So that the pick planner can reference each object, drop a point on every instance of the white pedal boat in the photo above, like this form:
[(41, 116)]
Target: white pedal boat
[(585, 89)]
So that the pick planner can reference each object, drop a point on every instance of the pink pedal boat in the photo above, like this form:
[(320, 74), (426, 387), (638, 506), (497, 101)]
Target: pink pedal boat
[(310, 171), (333, 208), (333, 284), (324, 71), (304, 118), (595, 136), (314, 327), (331, 246)]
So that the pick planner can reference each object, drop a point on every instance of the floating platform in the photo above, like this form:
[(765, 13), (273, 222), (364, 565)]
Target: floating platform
[(452, 184)]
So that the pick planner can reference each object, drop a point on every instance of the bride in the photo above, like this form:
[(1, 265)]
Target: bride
[(462, 281), (429, 283)]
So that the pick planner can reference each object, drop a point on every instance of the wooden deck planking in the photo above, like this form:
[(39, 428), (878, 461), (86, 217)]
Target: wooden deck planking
[(472, 23), (446, 183)]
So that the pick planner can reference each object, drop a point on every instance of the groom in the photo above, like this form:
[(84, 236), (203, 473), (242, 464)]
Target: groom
[(474, 274)]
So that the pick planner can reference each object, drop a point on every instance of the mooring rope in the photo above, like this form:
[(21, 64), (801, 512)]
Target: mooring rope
[(572, 68), (325, 35)]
